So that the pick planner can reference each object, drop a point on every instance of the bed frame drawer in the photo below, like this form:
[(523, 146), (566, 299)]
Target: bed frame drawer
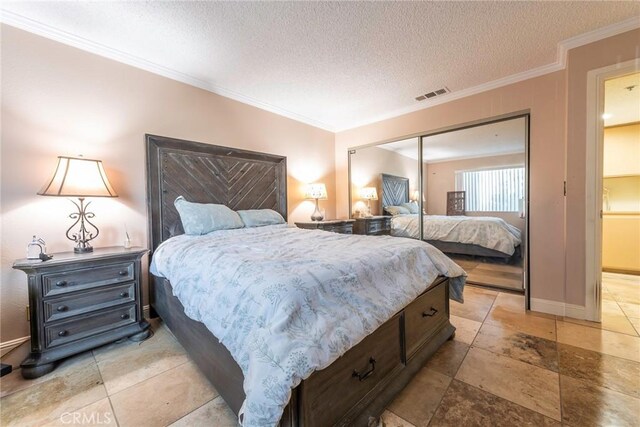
[(355, 374), (424, 316), (86, 278)]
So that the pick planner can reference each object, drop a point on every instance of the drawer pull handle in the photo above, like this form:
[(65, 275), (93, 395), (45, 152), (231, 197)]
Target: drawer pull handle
[(62, 308), (124, 316), (61, 283), (429, 313), (63, 333), (365, 375), (124, 294), (123, 272)]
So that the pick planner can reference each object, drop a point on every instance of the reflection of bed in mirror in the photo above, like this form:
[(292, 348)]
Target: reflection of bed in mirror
[(465, 235)]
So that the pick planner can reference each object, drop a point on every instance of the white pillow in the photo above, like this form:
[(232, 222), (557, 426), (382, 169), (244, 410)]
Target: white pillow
[(397, 210), (412, 207), (260, 217)]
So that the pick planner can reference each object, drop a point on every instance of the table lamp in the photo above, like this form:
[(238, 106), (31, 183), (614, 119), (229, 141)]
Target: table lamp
[(317, 192), (79, 177), (369, 194)]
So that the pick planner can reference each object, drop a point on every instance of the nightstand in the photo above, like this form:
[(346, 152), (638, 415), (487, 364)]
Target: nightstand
[(375, 225), (343, 226), (81, 301)]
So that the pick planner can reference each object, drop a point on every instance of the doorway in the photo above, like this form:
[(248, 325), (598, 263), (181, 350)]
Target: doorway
[(613, 197)]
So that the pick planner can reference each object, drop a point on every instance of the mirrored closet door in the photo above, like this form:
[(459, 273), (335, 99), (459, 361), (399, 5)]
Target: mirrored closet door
[(462, 190)]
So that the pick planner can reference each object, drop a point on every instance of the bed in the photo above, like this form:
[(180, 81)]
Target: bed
[(466, 235), (354, 388)]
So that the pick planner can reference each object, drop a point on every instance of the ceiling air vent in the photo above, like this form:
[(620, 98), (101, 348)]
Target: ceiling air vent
[(433, 94)]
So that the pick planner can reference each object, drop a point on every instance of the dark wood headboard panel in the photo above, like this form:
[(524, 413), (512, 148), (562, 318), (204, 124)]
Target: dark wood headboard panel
[(206, 173), (395, 190)]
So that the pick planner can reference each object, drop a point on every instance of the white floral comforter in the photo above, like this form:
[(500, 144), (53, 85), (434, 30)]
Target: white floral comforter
[(488, 232), (286, 302)]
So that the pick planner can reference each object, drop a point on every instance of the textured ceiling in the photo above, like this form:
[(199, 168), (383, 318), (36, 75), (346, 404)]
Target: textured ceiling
[(494, 139), (334, 64)]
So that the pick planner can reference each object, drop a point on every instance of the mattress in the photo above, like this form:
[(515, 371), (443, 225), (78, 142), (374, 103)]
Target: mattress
[(286, 302), (488, 232)]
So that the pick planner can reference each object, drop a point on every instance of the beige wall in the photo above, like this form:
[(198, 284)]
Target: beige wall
[(441, 178), (366, 166), (580, 61), (58, 100), (621, 150), (545, 98), (557, 103)]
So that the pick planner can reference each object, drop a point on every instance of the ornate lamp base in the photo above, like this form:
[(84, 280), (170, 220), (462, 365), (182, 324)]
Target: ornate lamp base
[(82, 236), (317, 214)]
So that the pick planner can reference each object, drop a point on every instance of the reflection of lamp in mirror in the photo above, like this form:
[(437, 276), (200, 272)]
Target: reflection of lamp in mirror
[(369, 194), (317, 192), (79, 177)]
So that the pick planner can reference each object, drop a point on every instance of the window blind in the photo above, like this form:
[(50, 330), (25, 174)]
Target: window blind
[(492, 190)]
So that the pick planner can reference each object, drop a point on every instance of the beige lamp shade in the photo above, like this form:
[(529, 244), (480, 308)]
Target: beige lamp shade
[(78, 177), (369, 193), (316, 191)]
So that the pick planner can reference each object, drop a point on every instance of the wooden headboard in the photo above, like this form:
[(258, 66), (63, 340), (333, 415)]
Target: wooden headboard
[(395, 190), (206, 173)]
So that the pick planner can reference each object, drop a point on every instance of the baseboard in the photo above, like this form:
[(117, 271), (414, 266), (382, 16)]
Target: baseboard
[(558, 308), (621, 271), (7, 346)]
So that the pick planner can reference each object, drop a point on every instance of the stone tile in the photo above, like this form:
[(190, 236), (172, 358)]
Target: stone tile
[(389, 419), (420, 398), (14, 382), (96, 414), (128, 363), (214, 413), (527, 385), (464, 405), (585, 404), (607, 342), (600, 369), (518, 345), (477, 303), (163, 399), (509, 312), (448, 358), (60, 394), (636, 323), (624, 291), (466, 329), (613, 319), (629, 309)]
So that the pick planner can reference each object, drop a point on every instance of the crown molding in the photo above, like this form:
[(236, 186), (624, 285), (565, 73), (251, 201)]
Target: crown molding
[(32, 26), (560, 64), (38, 28)]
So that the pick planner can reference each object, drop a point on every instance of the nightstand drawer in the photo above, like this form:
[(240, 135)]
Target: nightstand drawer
[(85, 326), (86, 278), (374, 227), (342, 229), (86, 302)]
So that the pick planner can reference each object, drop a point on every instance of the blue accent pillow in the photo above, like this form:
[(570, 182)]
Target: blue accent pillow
[(260, 217), (412, 207), (397, 210), (203, 218)]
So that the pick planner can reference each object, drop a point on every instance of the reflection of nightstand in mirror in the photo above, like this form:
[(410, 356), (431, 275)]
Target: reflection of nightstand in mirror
[(343, 226), (375, 225)]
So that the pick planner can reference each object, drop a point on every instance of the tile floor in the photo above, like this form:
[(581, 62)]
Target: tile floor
[(505, 367)]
